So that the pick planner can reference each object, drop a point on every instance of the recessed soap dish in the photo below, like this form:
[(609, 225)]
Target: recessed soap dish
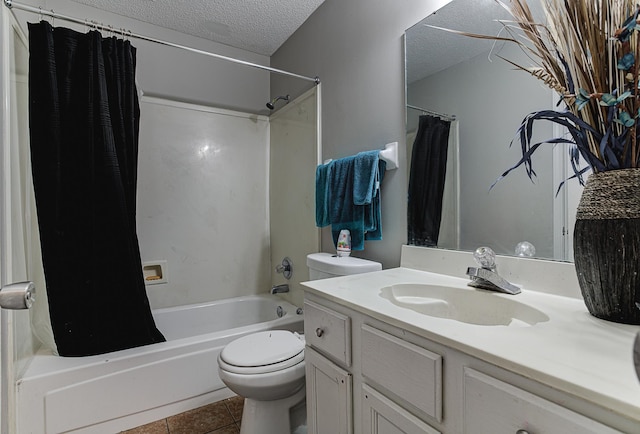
[(154, 272)]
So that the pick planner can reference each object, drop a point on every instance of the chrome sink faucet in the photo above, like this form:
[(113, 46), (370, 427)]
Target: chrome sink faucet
[(486, 276)]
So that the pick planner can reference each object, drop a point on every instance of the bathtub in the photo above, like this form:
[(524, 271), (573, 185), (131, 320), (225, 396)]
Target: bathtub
[(124, 389)]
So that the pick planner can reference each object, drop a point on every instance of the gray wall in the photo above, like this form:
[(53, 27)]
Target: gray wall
[(356, 48)]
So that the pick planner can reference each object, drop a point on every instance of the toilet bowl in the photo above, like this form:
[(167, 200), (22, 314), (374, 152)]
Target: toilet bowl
[(267, 369)]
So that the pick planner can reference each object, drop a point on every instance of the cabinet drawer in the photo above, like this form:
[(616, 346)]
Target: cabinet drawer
[(411, 372), (328, 331), (492, 406)]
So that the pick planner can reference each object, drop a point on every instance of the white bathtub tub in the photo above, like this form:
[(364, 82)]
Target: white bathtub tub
[(116, 391)]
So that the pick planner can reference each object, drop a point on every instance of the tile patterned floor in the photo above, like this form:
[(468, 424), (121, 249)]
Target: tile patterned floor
[(222, 417)]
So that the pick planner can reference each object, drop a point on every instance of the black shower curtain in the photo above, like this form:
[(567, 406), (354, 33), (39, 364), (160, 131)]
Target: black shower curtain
[(84, 118), (426, 180)]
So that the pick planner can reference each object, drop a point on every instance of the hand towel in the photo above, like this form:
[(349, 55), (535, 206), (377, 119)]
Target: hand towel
[(343, 214), (348, 197), (365, 177), (372, 211), (322, 194)]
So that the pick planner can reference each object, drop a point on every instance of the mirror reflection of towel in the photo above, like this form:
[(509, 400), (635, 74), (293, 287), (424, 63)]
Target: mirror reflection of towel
[(348, 197)]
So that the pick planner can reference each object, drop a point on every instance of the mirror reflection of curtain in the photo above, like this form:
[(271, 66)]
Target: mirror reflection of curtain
[(84, 118), (427, 180)]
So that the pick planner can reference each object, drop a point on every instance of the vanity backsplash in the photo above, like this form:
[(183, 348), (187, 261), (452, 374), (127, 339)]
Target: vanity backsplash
[(551, 277)]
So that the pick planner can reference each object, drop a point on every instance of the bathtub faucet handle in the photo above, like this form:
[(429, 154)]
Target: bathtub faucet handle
[(286, 268)]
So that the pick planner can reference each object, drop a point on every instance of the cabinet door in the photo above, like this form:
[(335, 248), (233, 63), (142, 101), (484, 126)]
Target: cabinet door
[(329, 396), (380, 415), (492, 406)]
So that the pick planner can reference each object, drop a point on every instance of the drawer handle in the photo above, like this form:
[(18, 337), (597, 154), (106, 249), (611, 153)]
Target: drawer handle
[(522, 431), (319, 332)]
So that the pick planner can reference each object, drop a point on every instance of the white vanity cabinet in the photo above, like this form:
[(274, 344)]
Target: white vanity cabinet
[(369, 377), (329, 383), (399, 384)]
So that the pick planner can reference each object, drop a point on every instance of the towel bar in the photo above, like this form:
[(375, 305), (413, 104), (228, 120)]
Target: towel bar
[(388, 154)]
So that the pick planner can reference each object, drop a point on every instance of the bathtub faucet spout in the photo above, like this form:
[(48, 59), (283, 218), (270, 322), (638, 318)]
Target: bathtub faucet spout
[(280, 288)]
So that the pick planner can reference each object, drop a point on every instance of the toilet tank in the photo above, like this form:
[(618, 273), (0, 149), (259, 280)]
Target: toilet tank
[(324, 265)]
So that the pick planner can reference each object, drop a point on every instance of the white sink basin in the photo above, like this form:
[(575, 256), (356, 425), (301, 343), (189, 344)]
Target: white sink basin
[(470, 306)]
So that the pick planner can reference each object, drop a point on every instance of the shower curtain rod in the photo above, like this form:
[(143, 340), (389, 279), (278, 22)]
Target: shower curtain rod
[(431, 112), (127, 33)]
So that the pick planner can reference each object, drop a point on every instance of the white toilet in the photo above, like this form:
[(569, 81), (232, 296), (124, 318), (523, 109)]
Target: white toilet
[(324, 265), (267, 368)]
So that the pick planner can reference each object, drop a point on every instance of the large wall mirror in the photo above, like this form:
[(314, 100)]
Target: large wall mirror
[(452, 76)]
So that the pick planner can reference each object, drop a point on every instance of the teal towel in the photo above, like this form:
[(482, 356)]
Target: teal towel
[(365, 177), (322, 194), (343, 214), (348, 197), (369, 172)]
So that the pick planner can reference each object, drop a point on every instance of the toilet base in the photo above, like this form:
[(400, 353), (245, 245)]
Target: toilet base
[(269, 417)]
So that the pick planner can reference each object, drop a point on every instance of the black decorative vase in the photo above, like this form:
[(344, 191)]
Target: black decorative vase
[(606, 245)]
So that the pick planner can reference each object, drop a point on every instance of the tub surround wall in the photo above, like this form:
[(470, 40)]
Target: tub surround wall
[(203, 201), (293, 156)]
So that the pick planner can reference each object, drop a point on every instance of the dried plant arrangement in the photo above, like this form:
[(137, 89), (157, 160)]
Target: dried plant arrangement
[(586, 51)]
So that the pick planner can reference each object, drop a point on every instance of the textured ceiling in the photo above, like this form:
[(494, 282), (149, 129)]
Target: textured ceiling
[(259, 26), (432, 50)]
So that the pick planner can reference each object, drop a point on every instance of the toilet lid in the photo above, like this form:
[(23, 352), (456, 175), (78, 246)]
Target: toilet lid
[(262, 348)]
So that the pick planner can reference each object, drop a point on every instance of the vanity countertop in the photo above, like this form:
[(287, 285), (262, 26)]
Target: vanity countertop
[(573, 352)]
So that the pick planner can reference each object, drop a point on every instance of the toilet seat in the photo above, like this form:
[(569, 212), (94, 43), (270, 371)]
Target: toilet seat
[(299, 358), (262, 352)]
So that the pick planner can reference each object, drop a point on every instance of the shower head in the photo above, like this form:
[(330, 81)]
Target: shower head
[(271, 104)]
